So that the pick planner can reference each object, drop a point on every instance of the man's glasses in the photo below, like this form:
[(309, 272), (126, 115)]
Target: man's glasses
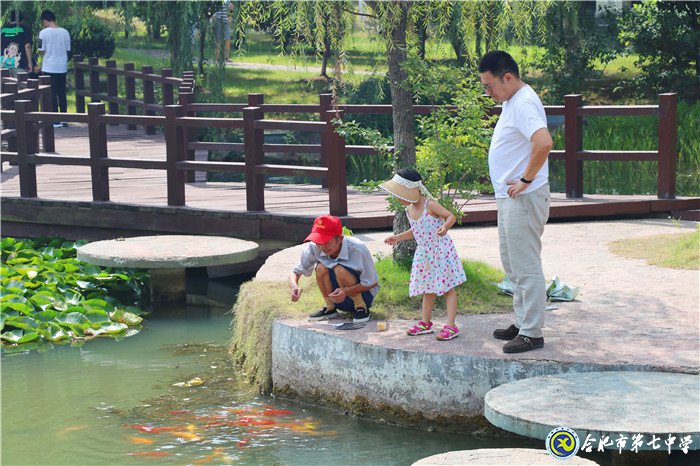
[(488, 87)]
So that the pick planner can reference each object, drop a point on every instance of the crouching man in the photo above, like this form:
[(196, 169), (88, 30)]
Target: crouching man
[(345, 272)]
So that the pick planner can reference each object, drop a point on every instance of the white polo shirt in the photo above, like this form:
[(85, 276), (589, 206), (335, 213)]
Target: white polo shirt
[(353, 254), (509, 153)]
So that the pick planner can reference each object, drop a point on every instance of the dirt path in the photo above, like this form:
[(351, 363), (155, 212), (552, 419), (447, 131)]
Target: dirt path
[(628, 312)]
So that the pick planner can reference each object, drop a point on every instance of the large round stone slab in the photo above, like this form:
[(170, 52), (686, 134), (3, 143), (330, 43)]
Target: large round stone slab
[(167, 257), (168, 252), (652, 404), (500, 456)]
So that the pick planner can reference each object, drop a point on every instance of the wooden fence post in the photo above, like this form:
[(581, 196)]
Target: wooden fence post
[(254, 155), (97, 132), (112, 88), (573, 142), (668, 145), (325, 103), (130, 91), (174, 153), (79, 84), (47, 134), (148, 96), (94, 79), (167, 88), (257, 100), (27, 170), (10, 88), (337, 168), (34, 107), (189, 134)]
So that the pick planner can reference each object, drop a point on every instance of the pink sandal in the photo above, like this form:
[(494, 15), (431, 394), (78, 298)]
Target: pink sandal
[(420, 328), (447, 333)]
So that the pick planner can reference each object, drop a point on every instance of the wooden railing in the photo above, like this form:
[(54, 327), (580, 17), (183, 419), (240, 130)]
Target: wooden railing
[(38, 91), (108, 90), (180, 122)]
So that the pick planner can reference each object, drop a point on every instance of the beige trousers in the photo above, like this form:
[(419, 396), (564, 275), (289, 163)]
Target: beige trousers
[(520, 227)]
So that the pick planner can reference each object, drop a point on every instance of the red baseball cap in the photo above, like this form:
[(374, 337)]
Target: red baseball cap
[(325, 228)]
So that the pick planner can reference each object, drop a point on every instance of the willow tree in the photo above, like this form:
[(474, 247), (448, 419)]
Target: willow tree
[(322, 25), (399, 23)]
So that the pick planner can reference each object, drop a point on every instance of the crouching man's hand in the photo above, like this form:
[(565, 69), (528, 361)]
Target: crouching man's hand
[(338, 296)]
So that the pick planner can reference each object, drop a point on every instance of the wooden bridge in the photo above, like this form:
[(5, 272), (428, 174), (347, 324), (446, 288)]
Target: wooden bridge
[(101, 178)]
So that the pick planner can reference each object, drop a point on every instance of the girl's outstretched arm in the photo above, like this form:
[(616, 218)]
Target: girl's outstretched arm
[(393, 239), (439, 211)]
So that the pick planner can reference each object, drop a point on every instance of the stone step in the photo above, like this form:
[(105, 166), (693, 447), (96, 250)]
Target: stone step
[(500, 456)]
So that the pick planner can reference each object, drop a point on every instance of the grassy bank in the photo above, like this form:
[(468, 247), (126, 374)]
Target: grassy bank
[(260, 303), (672, 251)]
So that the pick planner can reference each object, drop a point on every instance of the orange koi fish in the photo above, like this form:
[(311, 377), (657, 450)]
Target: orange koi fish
[(72, 429), (140, 440), (151, 454), (158, 430), (141, 427), (276, 412), (243, 442)]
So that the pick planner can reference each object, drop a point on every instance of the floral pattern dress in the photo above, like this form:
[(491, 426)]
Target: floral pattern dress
[(436, 265)]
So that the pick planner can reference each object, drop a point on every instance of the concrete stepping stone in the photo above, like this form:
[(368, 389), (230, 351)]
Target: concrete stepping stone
[(658, 406), (167, 257), (500, 456)]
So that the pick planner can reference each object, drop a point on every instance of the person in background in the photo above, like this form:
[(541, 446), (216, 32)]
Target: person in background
[(520, 175), (54, 45), (345, 272), (16, 38), (222, 29)]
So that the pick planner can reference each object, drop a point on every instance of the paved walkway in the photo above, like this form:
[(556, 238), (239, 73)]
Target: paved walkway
[(629, 313)]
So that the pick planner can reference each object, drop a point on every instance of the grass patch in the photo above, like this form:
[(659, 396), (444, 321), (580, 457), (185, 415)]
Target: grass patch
[(260, 303), (672, 251)]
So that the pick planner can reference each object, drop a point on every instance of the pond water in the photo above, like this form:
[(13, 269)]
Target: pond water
[(113, 402)]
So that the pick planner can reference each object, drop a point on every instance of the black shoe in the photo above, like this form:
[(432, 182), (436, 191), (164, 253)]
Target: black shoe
[(521, 343), (324, 314), (361, 315), (506, 333), (64, 124)]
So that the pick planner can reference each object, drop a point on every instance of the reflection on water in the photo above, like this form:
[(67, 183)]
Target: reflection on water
[(113, 402)]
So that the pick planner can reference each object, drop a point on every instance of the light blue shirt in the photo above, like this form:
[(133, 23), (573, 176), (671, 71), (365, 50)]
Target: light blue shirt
[(353, 255)]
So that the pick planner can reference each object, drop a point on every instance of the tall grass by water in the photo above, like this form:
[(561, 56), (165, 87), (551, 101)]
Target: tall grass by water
[(634, 133)]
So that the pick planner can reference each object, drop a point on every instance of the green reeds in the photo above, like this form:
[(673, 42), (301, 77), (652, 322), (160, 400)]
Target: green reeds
[(634, 133)]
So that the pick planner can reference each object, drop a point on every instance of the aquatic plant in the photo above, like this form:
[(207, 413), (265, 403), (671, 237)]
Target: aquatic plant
[(48, 296)]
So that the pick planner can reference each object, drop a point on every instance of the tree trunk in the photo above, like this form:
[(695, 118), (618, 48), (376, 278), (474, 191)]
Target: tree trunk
[(326, 55), (402, 118), (202, 42), (458, 46), (422, 37), (401, 95), (403, 252)]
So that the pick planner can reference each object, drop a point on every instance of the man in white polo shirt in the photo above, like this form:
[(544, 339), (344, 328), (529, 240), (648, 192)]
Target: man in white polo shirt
[(520, 175), (54, 43), (345, 272)]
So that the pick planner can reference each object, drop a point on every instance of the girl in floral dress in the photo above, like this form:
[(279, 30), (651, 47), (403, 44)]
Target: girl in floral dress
[(436, 269)]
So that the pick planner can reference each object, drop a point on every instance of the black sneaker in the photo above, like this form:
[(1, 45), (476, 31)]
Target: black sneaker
[(506, 333), (324, 314), (361, 315)]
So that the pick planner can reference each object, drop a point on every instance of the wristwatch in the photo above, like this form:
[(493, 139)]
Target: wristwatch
[(525, 181)]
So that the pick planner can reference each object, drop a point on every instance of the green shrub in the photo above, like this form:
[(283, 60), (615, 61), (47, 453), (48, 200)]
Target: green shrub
[(89, 37)]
